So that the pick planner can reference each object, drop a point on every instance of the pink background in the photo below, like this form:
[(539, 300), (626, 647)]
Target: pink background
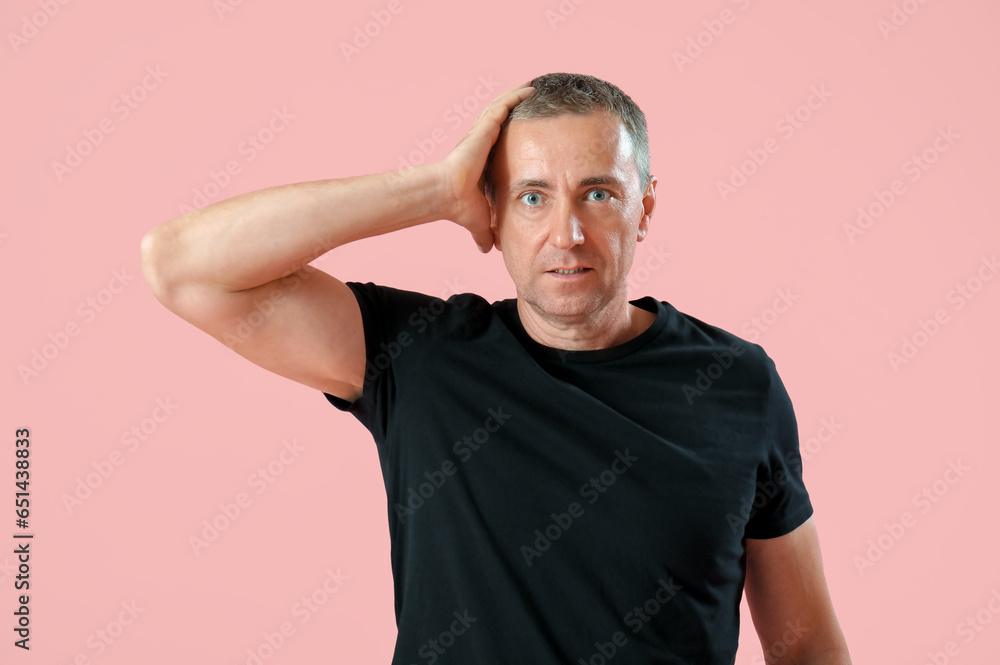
[(888, 94)]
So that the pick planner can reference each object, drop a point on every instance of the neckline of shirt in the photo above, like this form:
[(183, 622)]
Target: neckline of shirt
[(510, 316)]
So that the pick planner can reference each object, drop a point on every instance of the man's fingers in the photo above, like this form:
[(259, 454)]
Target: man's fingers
[(471, 209), (521, 91), (507, 101)]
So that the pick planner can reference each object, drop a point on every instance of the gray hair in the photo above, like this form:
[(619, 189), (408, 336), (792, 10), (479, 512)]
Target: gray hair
[(558, 94)]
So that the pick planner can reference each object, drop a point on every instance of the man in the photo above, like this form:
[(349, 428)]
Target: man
[(572, 477)]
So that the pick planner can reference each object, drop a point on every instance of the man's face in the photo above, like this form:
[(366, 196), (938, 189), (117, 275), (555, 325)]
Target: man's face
[(568, 195)]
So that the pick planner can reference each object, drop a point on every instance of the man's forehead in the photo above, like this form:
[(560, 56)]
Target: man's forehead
[(599, 129), (598, 140)]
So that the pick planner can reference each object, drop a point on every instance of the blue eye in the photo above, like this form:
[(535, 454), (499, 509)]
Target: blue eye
[(603, 194), (534, 194)]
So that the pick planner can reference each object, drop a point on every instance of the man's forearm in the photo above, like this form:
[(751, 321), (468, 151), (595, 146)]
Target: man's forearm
[(254, 238)]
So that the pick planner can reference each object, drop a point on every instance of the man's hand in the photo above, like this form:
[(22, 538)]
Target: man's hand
[(462, 169)]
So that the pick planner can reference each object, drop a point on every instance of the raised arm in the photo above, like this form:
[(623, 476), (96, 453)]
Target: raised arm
[(237, 269)]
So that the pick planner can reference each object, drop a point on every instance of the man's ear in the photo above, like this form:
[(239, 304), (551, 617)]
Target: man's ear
[(493, 225), (648, 205)]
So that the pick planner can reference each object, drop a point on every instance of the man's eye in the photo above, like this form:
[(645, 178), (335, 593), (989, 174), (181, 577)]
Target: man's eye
[(603, 193), (533, 200)]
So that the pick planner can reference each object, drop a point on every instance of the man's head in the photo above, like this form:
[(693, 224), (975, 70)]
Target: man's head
[(559, 94), (569, 186)]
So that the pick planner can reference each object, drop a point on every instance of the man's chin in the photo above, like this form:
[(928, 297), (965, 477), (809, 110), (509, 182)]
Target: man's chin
[(562, 303)]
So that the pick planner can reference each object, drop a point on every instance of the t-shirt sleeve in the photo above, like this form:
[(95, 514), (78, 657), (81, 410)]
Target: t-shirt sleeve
[(781, 502), (392, 320)]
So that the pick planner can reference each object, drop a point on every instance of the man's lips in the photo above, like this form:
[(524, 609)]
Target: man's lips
[(578, 273)]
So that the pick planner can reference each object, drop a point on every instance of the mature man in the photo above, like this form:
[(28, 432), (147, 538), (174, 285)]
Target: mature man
[(572, 476)]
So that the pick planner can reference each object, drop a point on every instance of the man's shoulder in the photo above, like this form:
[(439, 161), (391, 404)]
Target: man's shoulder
[(701, 331), (713, 339)]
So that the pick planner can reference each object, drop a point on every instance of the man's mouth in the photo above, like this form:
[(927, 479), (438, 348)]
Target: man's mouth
[(568, 271)]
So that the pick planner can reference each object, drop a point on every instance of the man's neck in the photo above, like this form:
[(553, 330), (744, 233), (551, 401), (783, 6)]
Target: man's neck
[(614, 325)]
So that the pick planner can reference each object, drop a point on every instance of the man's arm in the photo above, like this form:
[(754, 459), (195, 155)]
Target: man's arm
[(789, 600), (245, 258)]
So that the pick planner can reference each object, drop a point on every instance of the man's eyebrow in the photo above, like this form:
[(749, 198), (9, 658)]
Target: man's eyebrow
[(586, 182)]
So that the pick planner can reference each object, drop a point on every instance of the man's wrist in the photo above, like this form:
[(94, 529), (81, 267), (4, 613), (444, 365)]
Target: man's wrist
[(427, 188)]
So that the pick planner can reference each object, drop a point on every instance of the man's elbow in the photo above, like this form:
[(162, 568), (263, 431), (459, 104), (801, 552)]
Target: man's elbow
[(829, 650), (808, 641), (152, 264)]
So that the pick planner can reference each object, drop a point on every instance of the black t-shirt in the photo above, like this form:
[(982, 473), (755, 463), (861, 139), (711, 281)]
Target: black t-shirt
[(560, 507)]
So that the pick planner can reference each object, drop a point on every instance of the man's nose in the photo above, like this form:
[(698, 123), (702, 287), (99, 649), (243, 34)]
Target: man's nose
[(565, 228)]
